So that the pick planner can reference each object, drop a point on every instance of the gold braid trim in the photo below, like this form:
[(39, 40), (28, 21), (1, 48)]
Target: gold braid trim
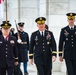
[(16, 58), (54, 52), (30, 54), (60, 52)]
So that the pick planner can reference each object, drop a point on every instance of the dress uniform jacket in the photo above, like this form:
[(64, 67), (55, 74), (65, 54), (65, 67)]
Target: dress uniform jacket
[(67, 43), (23, 47), (42, 48), (0, 32), (8, 51)]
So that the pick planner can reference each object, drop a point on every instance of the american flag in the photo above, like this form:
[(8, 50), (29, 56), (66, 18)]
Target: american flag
[(1, 8), (1, 1)]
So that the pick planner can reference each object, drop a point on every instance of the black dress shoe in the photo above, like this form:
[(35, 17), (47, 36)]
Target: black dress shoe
[(26, 74)]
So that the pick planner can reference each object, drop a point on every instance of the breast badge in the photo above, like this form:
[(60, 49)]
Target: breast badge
[(48, 37), (66, 33), (36, 40)]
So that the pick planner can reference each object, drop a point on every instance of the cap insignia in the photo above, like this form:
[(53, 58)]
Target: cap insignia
[(70, 14), (6, 24), (40, 18)]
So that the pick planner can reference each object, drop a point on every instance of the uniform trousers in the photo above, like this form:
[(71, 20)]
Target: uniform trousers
[(71, 66), (6, 71), (43, 69)]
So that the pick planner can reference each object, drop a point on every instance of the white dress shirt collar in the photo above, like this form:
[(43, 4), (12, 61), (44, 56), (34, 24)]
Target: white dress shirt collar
[(41, 32)]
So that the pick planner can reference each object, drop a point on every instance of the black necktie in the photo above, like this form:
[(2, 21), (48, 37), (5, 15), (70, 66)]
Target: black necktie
[(72, 28), (42, 34)]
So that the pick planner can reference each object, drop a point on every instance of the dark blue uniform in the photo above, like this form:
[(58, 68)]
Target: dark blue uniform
[(42, 48), (67, 46), (23, 47), (8, 54), (0, 32)]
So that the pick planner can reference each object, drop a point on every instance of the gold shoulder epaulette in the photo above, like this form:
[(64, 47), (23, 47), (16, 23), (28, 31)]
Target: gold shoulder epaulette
[(54, 52), (30, 54), (16, 58), (60, 52)]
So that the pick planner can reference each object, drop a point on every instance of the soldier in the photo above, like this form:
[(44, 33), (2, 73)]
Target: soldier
[(23, 46), (67, 44), (8, 50), (12, 30), (42, 48)]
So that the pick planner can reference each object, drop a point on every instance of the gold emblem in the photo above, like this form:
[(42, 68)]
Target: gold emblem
[(40, 18), (70, 14), (6, 24)]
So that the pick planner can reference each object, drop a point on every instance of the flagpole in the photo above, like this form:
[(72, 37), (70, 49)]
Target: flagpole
[(19, 10), (6, 11)]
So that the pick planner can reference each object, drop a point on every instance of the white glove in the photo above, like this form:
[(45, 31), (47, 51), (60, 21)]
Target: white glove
[(19, 40)]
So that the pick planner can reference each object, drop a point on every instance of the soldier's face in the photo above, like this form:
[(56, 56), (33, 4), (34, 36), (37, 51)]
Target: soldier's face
[(41, 26), (71, 22), (5, 31), (21, 28)]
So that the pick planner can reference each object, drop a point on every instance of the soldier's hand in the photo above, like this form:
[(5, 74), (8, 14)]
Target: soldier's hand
[(31, 61), (16, 63), (61, 58), (53, 58)]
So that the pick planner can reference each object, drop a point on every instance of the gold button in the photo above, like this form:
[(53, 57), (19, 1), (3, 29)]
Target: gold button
[(72, 45), (72, 42), (43, 46), (6, 48), (71, 35), (43, 43), (6, 45), (71, 39), (43, 50), (6, 55)]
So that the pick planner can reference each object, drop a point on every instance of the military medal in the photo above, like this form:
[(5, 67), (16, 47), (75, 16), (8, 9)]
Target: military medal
[(66, 33), (48, 37), (36, 39)]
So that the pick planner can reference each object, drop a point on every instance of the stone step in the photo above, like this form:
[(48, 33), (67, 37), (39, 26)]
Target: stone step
[(32, 70)]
